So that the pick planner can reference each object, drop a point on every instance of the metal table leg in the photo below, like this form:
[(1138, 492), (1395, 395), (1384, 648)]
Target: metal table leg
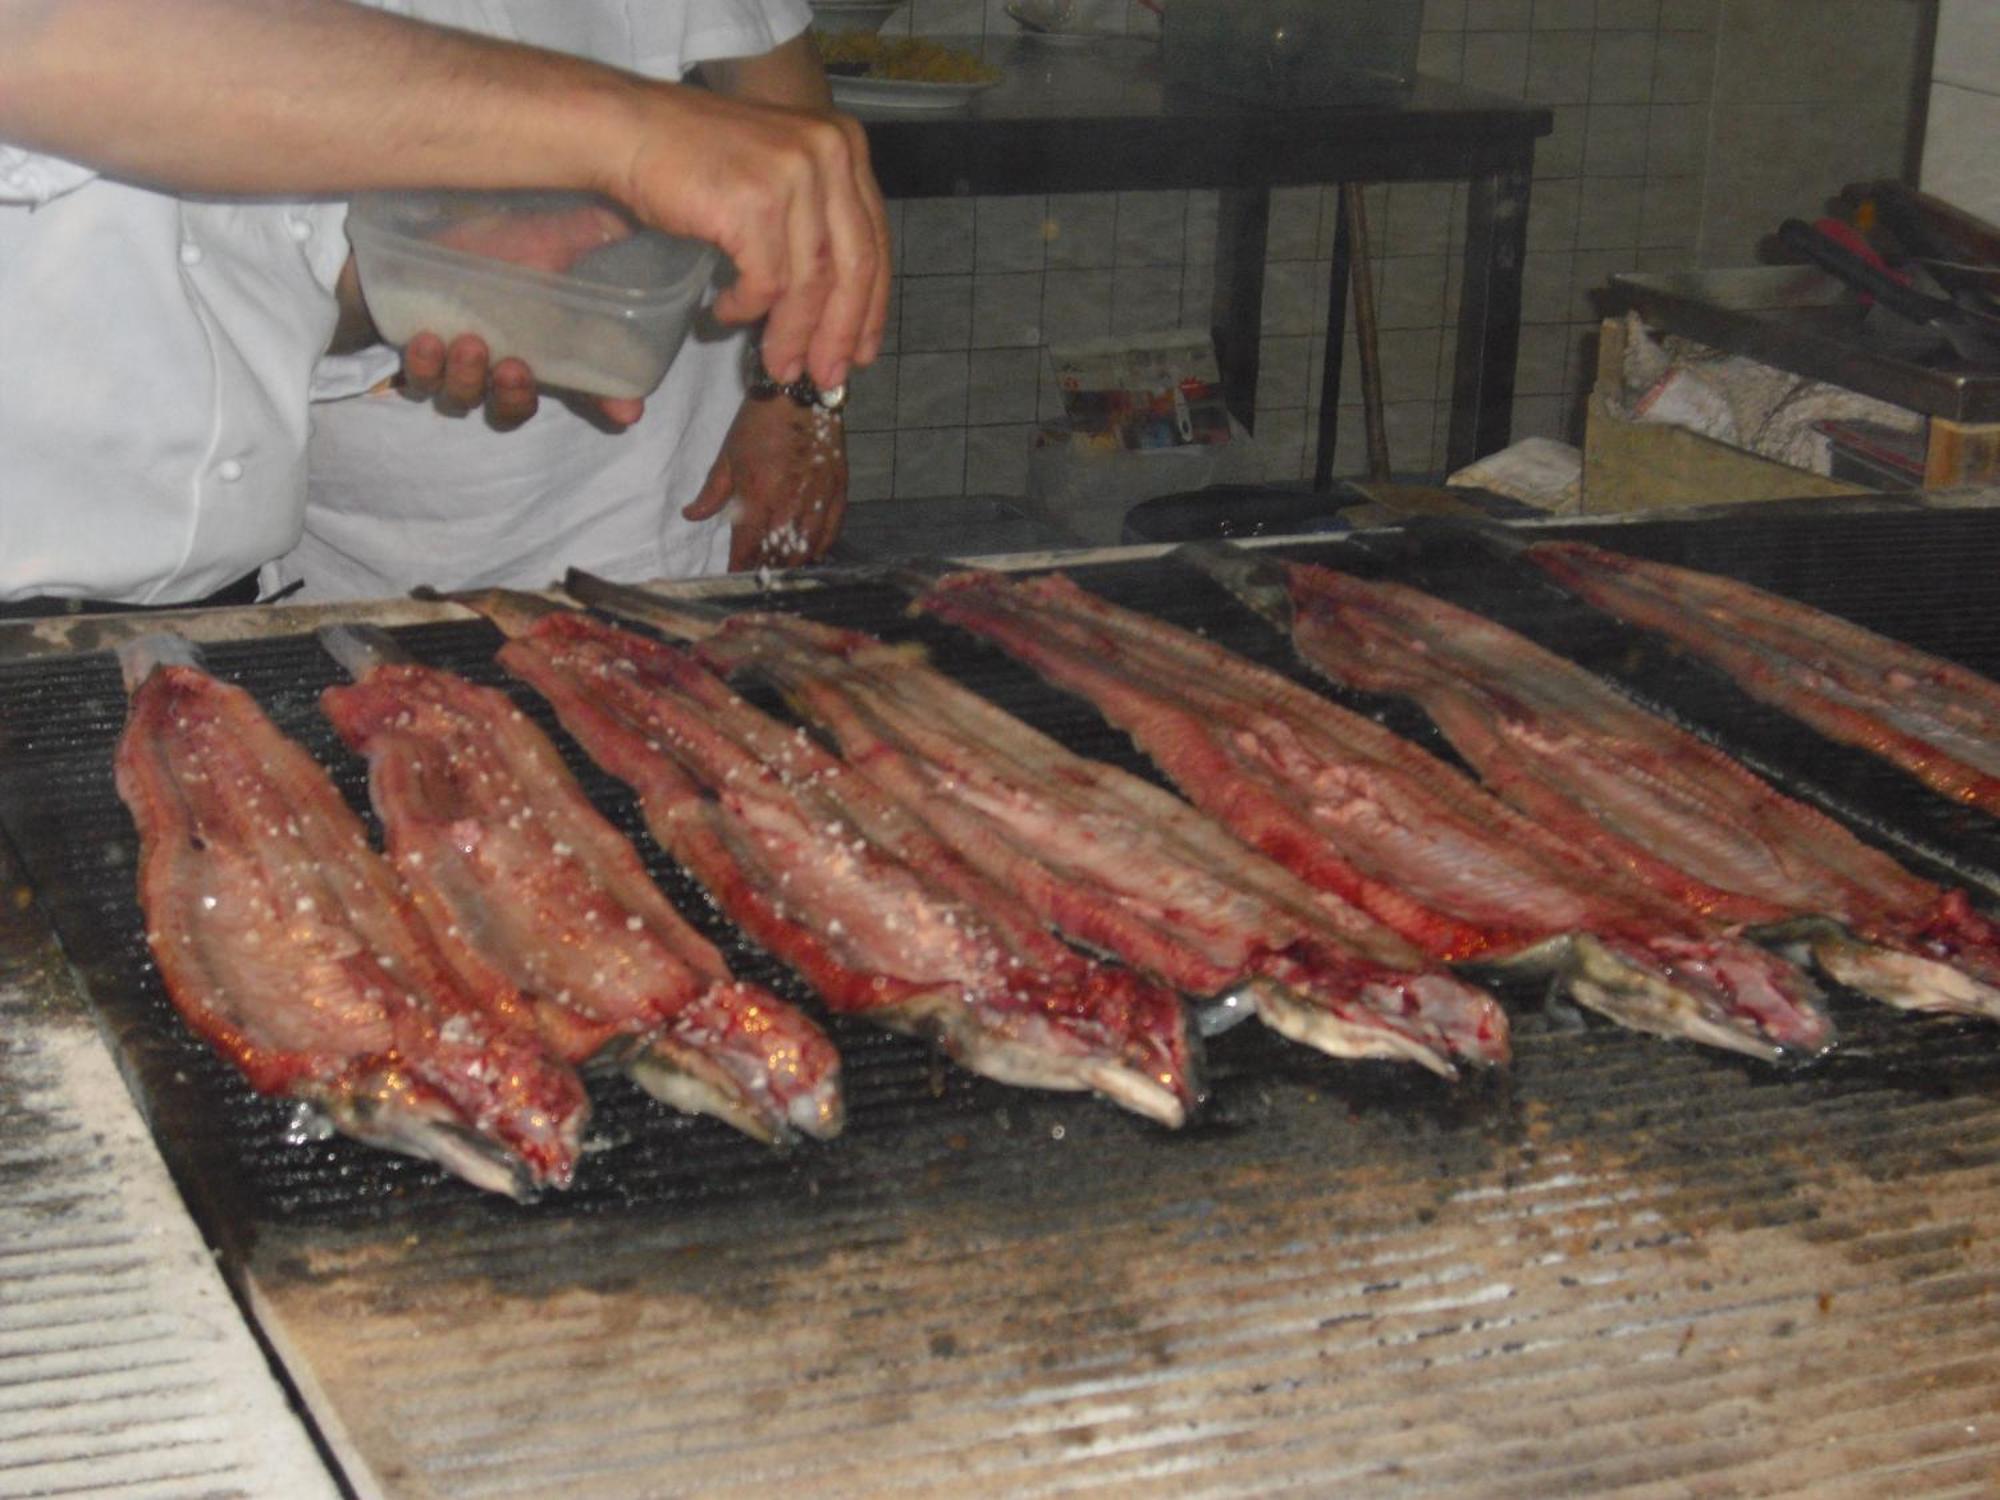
[(1489, 315), (1242, 231), (1336, 340)]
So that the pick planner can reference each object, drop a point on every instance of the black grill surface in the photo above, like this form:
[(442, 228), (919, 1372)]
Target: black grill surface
[(1624, 1264)]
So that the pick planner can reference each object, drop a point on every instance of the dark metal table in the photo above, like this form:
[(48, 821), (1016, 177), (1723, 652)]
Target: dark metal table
[(1100, 116)]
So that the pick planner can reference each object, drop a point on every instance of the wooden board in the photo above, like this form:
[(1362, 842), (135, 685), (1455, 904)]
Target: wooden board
[(1630, 466)]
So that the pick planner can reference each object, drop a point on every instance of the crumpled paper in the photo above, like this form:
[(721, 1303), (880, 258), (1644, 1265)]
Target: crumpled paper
[(1739, 401)]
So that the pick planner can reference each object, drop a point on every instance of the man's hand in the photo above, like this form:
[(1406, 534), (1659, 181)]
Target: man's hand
[(461, 378), (790, 197), (785, 468)]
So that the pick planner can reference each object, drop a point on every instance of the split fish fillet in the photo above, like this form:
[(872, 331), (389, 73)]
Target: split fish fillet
[(1935, 719), (1114, 863), (1638, 796), (1354, 809), (837, 881), (294, 950), (524, 883)]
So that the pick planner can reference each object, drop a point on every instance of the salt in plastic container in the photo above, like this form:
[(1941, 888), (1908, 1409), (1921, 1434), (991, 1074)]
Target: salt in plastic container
[(567, 282)]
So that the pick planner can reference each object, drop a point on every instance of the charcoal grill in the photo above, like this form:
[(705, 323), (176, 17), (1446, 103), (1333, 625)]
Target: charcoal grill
[(1625, 1266)]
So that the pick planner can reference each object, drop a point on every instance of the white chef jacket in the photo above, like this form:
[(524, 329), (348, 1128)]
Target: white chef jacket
[(399, 495), (157, 354)]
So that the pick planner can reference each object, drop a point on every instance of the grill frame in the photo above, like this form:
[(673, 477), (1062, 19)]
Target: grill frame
[(1119, 1248)]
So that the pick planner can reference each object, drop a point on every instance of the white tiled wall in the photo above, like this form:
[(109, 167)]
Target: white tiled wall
[(1625, 182), (1800, 110), (1962, 136), (1618, 185)]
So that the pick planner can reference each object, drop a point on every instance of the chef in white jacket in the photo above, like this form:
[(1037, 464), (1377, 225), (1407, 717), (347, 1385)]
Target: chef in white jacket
[(401, 494), (156, 355), (158, 339)]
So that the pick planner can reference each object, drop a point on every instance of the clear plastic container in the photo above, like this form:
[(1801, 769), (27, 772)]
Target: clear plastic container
[(565, 281)]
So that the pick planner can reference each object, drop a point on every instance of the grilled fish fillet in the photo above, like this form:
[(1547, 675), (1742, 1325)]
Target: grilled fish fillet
[(292, 948)]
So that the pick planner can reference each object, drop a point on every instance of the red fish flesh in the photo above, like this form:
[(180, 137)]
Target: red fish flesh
[(524, 883), (1354, 809), (1938, 721), (1641, 797), (826, 873), (292, 948), (1118, 865)]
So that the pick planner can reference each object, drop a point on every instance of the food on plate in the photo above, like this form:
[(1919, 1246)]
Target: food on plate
[(906, 59), (1938, 721), (1636, 793), (524, 883), (1112, 862), (294, 950), (813, 863), (1354, 809)]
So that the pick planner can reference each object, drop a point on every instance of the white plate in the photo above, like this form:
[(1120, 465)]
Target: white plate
[(903, 93)]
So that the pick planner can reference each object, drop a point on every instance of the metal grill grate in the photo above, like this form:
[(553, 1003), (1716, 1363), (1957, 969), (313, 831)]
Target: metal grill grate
[(1627, 1265)]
